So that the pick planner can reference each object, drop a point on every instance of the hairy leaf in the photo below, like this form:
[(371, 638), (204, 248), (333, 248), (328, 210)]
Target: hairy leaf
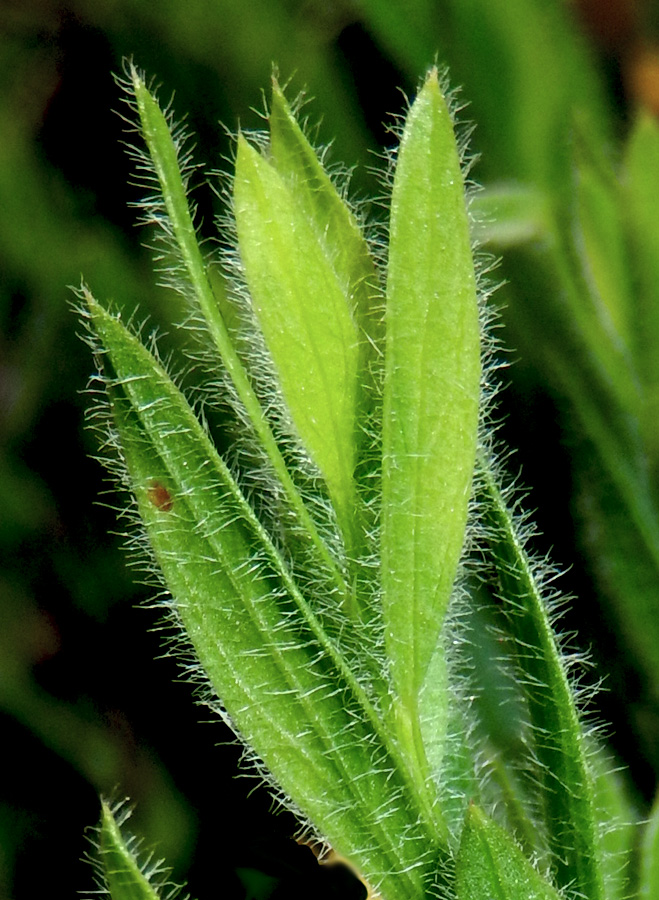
[(176, 219), (286, 690), (305, 314), (336, 226), (490, 865), (431, 395), (649, 867), (124, 875), (559, 755)]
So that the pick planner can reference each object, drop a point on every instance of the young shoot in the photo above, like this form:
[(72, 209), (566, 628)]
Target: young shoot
[(322, 578)]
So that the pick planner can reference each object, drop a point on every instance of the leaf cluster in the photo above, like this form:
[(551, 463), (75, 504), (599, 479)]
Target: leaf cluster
[(336, 633)]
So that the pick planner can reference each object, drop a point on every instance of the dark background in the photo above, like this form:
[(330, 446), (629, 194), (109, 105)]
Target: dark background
[(84, 708)]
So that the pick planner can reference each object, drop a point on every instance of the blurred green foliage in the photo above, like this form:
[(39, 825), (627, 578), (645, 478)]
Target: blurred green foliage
[(571, 176)]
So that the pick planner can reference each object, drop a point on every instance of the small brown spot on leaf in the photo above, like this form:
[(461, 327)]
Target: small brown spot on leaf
[(160, 497)]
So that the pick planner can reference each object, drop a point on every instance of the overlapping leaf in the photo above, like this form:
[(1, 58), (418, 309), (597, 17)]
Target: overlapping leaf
[(491, 865), (559, 753), (358, 750), (431, 396), (171, 211), (284, 686), (649, 868), (305, 314)]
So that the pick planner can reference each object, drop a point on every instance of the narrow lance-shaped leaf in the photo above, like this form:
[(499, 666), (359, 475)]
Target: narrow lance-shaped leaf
[(641, 187), (124, 875), (604, 254), (346, 249), (490, 865), (431, 396), (341, 236), (286, 690), (304, 311), (649, 867), (559, 757), (618, 828), (164, 155)]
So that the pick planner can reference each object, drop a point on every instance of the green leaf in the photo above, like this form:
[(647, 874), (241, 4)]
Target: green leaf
[(335, 224), (641, 185), (616, 496), (124, 875), (494, 687), (286, 690), (602, 245), (506, 215), (433, 711), (174, 217), (558, 751), (431, 395), (649, 863), (304, 310), (348, 254), (459, 783), (177, 221), (490, 865), (618, 825), (626, 551)]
